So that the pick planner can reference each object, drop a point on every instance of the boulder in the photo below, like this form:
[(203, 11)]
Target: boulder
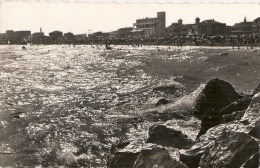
[(161, 135), (231, 117), (229, 113), (161, 101), (215, 95), (231, 149), (210, 119), (239, 105), (123, 159), (222, 146), (252, 114), (157, 157), (255, 132), (143, 152)]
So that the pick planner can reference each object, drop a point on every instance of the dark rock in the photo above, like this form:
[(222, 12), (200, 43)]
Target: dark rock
[(122, 159), (161, 101), (192, 160), (252, 114), (210, 119), (252, 162), (119, 145), (157, 157), (239, 105), (216, 95), (231, 117), (229, 113), (231, 149), (255, 132), (161, 135), (223, 54)]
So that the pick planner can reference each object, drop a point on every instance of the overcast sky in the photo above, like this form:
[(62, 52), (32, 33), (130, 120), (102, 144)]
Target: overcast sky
[(90, 17)]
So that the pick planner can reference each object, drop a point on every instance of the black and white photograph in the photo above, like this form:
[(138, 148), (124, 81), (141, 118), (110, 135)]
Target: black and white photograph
[(120, 84)]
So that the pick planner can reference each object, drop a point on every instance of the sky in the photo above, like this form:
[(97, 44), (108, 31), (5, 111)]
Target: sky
[(80, 18)]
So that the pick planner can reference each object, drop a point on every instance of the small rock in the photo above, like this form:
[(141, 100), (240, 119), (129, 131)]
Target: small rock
[(157, 157), (161, 101), (161, 135), (223, 54)]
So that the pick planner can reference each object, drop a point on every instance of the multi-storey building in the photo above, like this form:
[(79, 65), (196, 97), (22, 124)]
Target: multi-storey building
[(242, 28), (256, 26), (212, 27), (98, 36), (152, 27)]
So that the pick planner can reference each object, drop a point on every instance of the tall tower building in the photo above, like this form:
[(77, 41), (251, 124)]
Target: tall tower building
[(160, 24)]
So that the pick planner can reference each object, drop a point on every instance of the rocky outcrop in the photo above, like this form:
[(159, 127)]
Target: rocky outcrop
[(252, 114), (145, 155), (161, 135), (231, 149), (123, 159), (229, 113), (216, 95), (222, 147), (229, 134), (157, 157)]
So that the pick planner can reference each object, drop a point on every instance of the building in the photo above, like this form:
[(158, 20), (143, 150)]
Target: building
[(98, 36), (242, 28), (180, 29), (174, 28), (55, 35), (69, 37), (256, 26), (38, 37), (17, 36), (81, 37), (152, 27), (113, 35), (121, 33), (211, 28)]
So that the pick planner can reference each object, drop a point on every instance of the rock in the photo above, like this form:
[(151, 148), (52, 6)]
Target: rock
[(123, 159), (213, 118), (252, 114), (161, 101), (127, 156), (67, 158), (239, 105), (161, 135), (231, 117), (223, 54), (119, 145), (210, 119), (221, 146), (157, 157), (216, 95), (192, 159), (255, 132), (231, 149)]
